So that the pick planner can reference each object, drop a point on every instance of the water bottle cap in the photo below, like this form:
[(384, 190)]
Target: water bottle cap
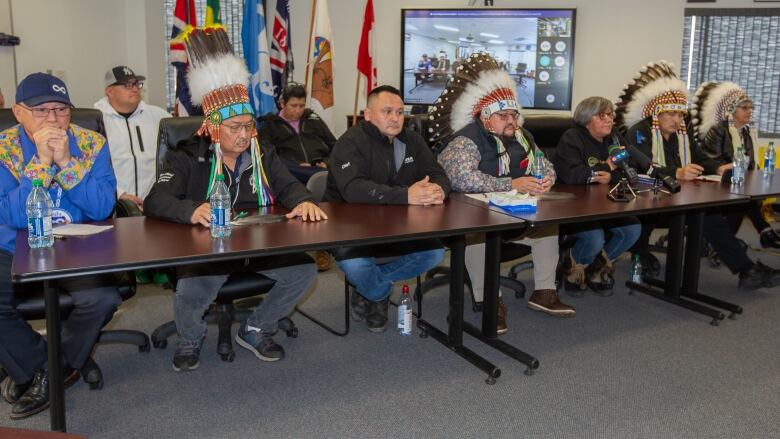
[(219, 177), (37, 182), (405, 289)]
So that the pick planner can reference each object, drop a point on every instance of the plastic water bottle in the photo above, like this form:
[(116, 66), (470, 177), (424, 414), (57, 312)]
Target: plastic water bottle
[(220, 208), (40, 234), (636, 270), (405, 312), (739, 165), (538, 168), (769, 160)]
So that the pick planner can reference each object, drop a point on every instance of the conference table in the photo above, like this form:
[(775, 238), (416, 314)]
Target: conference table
[(687, 207), (143, 243), (756, 185)]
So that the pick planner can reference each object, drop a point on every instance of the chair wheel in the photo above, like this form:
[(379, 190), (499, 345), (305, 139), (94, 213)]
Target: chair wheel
[(160, 344), (144, 348), (229, 357), (292, 333)]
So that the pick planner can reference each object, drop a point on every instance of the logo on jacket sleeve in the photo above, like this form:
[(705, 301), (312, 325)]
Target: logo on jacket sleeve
[(345, 166), (408, 160)]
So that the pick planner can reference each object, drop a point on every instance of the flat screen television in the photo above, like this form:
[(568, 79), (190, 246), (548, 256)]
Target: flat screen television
[(535, 46)]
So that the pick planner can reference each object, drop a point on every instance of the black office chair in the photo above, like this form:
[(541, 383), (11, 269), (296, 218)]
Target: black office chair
[(30, 299), (231, 304)]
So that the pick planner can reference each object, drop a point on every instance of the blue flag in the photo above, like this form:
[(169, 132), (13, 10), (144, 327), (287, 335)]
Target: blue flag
[(255, 41)]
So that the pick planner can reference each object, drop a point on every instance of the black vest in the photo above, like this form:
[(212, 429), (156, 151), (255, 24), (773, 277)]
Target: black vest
[(487, 147)]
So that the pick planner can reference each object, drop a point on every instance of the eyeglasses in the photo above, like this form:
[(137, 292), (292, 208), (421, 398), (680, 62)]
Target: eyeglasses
[(606, 115), (132, 84), (43, 113), (506, 117), (249, 127)]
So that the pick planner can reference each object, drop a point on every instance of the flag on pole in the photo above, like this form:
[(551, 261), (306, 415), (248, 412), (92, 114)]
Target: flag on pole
[(365, 61), (321, 62), (212, 13), (183, 16), (281, 50), (255, 42)]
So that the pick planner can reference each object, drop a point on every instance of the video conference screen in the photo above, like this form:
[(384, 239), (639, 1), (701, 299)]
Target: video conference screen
[(534, 46)]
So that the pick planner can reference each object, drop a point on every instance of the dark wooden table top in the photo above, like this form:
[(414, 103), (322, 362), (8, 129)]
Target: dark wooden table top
[(591, 203), (142, 242), (756, 185)]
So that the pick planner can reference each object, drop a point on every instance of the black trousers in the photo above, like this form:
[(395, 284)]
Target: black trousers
[(734, 215), (717, 232), (23, 351)]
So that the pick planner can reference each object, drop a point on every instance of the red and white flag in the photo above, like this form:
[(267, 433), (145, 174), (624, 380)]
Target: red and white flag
[(365, 61)]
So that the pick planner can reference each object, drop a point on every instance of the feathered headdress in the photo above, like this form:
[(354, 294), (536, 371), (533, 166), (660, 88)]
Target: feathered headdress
[(218, 82), (479, 89), (655, 89), (715, 102)]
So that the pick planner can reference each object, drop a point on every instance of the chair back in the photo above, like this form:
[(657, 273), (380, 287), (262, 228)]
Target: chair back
[(88, 118), (547, 130), (317, 184), (173, 130)]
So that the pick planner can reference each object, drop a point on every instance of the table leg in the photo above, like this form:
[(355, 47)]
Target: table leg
[(56, 389), (492, 271)]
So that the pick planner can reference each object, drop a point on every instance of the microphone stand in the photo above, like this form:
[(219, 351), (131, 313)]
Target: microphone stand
[(622, 192)]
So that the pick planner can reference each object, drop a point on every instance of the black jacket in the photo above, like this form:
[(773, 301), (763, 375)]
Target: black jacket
[(311, 144), (718, 147), (640, 135), (184, 179), (578, 153), (362, 167)]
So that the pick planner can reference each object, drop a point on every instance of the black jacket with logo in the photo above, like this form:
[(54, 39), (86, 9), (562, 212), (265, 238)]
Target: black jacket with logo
[(362, 167), (578, 153), (640, 135), (184, 179), (311, 144)]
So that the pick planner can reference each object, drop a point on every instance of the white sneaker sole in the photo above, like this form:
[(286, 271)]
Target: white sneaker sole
[(252, 349), (552, 312), (186, 369)]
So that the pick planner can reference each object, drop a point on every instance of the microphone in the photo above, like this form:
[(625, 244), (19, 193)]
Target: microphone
[(644, 162), (619, 156)]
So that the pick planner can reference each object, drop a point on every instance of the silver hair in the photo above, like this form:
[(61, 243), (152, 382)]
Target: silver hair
[(590, 107)]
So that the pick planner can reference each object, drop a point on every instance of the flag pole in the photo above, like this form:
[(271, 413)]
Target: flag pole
[(357, 92), (308, 53)]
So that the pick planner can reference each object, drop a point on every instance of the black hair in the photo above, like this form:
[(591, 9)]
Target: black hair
[(293, 90), (384, 89)]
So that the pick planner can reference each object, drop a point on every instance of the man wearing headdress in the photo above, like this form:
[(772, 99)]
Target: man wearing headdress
[(227, 144), (654, 110), (490, 151), (723, 122)]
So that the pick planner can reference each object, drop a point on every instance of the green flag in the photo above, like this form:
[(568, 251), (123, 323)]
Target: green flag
[(212, 13)]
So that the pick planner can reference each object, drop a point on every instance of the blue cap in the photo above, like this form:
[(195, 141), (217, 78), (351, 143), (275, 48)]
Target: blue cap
[(39, 88)]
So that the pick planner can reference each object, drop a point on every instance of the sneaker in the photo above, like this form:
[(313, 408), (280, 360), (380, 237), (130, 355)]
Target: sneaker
[(376, 320), (359, 305), (547, 301), (187, 356), (259, 343), (501, 327), (770, 238), (323, 260)]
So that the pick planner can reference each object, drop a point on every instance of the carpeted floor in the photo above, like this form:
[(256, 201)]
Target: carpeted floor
[(626, 366)]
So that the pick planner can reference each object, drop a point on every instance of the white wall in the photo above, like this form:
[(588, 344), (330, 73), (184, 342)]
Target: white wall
[(86, 37)]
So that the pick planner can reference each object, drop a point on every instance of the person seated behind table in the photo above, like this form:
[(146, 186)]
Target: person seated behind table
[(300, 137), (75, 167), (490, 151), (378, 161), (656, 120), (723, 123), (583, 157), (424, 66), (181, 194)]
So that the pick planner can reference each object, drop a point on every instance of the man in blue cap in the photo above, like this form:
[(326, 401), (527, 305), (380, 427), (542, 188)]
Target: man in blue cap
[(75, 167)]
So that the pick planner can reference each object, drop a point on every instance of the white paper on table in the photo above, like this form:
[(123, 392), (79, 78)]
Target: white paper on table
[(487, 196), (79, 229), (711, 177)]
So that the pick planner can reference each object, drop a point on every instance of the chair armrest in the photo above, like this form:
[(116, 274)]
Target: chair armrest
[(126, 208)]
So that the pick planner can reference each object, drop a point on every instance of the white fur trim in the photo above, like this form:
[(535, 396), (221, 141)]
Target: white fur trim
[(647, 93), (218, 72), (487, 81), (709, 108)]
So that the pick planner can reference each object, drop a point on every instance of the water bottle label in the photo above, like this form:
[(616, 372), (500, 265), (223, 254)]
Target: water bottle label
[(407, 321), (402, 318), (39, 226), (636, 278), (218, 217)]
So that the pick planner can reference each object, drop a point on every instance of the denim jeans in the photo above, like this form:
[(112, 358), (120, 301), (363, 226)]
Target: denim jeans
[(375, 282), (590, 242)]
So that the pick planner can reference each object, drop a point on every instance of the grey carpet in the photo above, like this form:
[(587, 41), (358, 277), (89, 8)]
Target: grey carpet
[(626, 366)]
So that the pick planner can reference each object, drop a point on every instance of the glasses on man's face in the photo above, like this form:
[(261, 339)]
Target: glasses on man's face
[(507, 117), (132, 84), (607, 115), (237, 128), (43, 113)]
